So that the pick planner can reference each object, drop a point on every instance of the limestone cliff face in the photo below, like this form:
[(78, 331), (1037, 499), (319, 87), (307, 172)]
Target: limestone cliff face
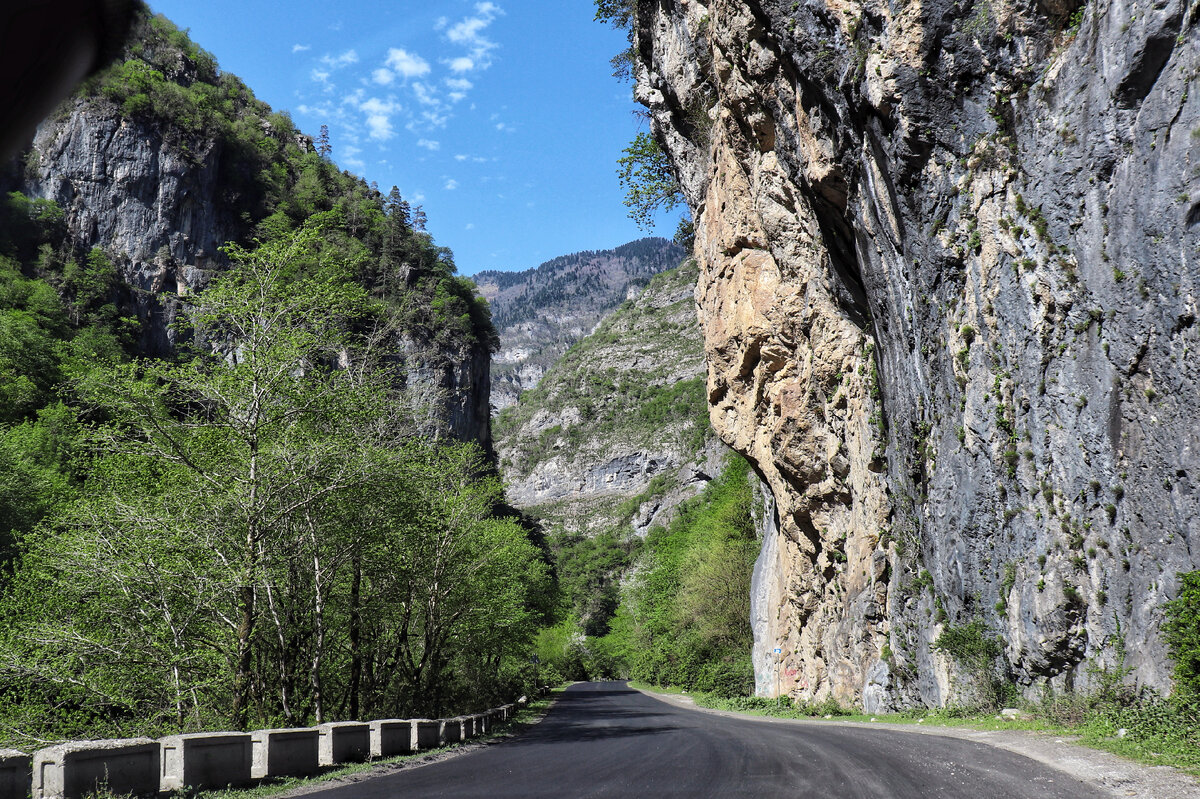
[(160, 205), (948, 286)]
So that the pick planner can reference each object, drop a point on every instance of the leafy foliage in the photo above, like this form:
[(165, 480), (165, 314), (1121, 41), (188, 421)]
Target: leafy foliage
[(649, 182), (976, 649), (685, 619), (1182, 635), (264, 535)]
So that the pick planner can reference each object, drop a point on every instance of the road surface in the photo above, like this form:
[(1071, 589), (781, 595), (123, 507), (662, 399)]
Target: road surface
[(607, 740)]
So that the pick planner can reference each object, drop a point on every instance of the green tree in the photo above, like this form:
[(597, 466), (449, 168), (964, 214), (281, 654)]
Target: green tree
[(649, 182)]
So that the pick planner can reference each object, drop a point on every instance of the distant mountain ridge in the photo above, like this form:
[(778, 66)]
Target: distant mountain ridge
[(539, 313)]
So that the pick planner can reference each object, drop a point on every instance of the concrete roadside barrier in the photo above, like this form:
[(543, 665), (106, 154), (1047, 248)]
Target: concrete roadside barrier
[(16, 773), (344, 742), (450, 732), (426, 734), (508, 711), (123, 766), (285, 753), (391, 737), (206, 760)]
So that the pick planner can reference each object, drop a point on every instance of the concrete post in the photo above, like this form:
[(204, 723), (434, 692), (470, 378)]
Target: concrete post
[(390, 737), (344, 742), (16, 773), (450, 732), (285, 753), (426, 734), (70, 770), (206, 760)]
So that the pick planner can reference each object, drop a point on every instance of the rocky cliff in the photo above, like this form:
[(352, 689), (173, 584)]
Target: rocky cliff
[(164, 159), (540, 312), (616, 433), (948, 288)]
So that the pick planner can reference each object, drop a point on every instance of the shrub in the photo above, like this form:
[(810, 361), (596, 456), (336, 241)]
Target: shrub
[(1182, 635)]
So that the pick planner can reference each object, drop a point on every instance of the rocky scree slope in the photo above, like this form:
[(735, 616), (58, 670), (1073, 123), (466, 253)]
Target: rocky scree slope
[(541, 312), (164, 158), (617, 431), (948, 288)]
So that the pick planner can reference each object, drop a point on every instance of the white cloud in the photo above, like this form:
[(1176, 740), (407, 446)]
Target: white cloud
[(408, 65), (451, 185), (435, 119), (380, 127), (344, 60), (425, 94), (383, 77), (441, 23), (374, 105), (300, 48), (459, 84), (429, 144), (469, 34), (349, 158), (378, 114), (470, 226), (461, 157)]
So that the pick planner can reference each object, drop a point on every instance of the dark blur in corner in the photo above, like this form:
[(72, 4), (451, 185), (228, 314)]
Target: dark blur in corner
[(47, 47)]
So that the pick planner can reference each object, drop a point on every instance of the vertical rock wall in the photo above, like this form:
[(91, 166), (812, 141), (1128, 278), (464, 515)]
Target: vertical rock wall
[(948, 290)]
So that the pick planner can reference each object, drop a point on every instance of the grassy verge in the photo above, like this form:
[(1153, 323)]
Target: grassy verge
[(1156, 731)]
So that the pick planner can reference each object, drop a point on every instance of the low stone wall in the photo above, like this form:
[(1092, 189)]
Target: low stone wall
[(144, 767), (344, 742), (16, 773), (206, 760), (71, 770), (289, 752), (450, 732), (427, 734), (390, 737)]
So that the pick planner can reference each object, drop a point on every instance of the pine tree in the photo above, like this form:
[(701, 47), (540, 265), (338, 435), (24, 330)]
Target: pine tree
[(323, 147)]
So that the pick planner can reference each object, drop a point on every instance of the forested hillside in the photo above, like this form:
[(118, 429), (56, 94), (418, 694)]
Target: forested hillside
[(541, 312), (227, 367)]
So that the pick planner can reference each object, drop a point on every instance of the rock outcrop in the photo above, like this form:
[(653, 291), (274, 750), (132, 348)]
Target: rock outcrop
[(948, 287), (616, 432)]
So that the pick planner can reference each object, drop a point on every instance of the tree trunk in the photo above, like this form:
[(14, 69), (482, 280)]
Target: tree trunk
[(355, 638), (243, 670)]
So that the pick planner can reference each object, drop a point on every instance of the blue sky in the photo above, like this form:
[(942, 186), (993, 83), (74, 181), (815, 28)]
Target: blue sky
[(501, 118)]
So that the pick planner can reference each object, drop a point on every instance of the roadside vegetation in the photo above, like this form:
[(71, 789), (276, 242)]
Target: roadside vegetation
[(261, 527), (261, 531), (673, 609)]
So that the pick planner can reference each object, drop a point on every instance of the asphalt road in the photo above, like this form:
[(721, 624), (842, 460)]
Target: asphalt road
[(607, 740)]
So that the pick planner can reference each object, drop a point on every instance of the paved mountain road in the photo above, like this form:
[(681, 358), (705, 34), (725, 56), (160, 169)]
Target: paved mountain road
[(607, 740)]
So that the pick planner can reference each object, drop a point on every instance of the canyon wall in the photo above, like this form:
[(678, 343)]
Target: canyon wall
[(948, 290)]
